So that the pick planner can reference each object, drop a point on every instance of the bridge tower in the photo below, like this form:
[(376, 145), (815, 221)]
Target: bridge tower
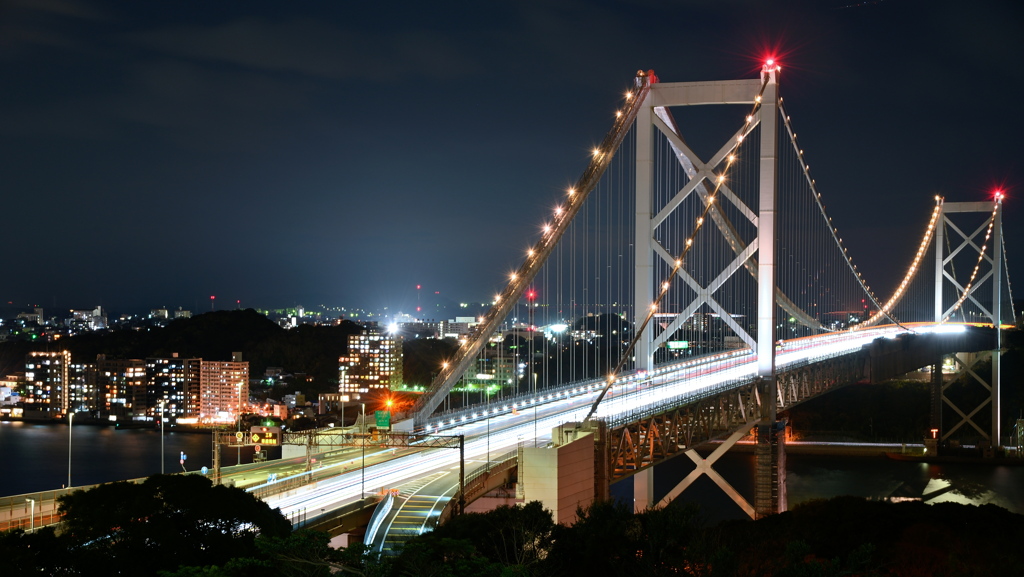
[(653, 118), (987, 243)]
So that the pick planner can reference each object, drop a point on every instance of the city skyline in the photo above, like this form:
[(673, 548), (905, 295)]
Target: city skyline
[(334, 155)]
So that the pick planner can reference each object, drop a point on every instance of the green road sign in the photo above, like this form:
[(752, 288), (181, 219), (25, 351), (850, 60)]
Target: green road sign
[(383, 418)]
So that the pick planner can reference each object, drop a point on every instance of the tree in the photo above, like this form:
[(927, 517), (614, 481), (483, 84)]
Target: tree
[(165, 522), (505, 541)]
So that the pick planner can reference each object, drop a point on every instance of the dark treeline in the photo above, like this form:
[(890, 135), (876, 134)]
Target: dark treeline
[(178, 526)]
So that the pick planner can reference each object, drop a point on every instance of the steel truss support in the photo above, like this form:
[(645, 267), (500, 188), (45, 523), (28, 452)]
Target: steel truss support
[(993, 313), (704, 468), (968, 418), (656, 434)]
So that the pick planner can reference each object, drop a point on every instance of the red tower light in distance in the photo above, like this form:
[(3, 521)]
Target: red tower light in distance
[(531, 296)]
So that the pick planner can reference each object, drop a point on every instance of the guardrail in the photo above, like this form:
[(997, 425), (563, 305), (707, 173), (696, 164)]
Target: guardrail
[(379, 514), (477, 481)]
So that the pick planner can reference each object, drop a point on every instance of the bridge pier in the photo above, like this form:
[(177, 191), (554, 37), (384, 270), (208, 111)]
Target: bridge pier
[(562, 477), (770, 469), (643, 490), (935, 396)]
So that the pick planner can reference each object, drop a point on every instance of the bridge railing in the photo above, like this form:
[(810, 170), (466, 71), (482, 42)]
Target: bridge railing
[(671, 403), (476, 482), (703, 393), (472, 414)]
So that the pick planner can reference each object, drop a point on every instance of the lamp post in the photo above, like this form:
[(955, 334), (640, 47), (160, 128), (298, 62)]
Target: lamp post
[(362, 470), (71, 419), (162, 435), (32, 515)]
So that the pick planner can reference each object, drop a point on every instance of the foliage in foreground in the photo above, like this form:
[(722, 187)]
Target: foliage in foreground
[(184, 527), (139, 529), (841, 536)]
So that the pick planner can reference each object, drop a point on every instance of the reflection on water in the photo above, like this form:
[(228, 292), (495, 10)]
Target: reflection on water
[(35, 456), (812, 477)]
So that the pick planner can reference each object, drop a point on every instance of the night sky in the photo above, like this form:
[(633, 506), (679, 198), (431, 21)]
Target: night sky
[(340, 153)]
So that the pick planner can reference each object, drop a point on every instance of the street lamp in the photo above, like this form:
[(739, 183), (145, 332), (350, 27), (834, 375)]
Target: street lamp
[(162, 403), (362, 470), (71, 419), (32, 515)]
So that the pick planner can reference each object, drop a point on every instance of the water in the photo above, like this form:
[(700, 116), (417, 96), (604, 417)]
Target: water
[(815, 477), (35, 456)]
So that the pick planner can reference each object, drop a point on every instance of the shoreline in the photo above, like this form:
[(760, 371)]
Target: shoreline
[(125, 425)]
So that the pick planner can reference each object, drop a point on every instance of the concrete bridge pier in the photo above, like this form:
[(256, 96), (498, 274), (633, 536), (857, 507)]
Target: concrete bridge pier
[(643, 490)]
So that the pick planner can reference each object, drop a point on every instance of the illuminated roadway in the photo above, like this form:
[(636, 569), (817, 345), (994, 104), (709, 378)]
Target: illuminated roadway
[(530, 423)]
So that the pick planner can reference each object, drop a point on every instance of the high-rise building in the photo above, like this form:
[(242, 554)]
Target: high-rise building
[(373, 362), (174, 383), (121, 383), (46, 382), (82, 387), (223, 389)]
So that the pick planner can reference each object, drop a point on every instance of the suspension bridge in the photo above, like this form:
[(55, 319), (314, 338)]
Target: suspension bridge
[(678, 293), (684, 289)]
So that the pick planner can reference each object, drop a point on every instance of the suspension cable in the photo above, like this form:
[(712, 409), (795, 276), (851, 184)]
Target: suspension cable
[(1006, 268), (828, 221), (884, 311), (520, 280)]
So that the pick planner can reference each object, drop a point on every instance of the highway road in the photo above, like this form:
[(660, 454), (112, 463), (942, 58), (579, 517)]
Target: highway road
[(501, 428)]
